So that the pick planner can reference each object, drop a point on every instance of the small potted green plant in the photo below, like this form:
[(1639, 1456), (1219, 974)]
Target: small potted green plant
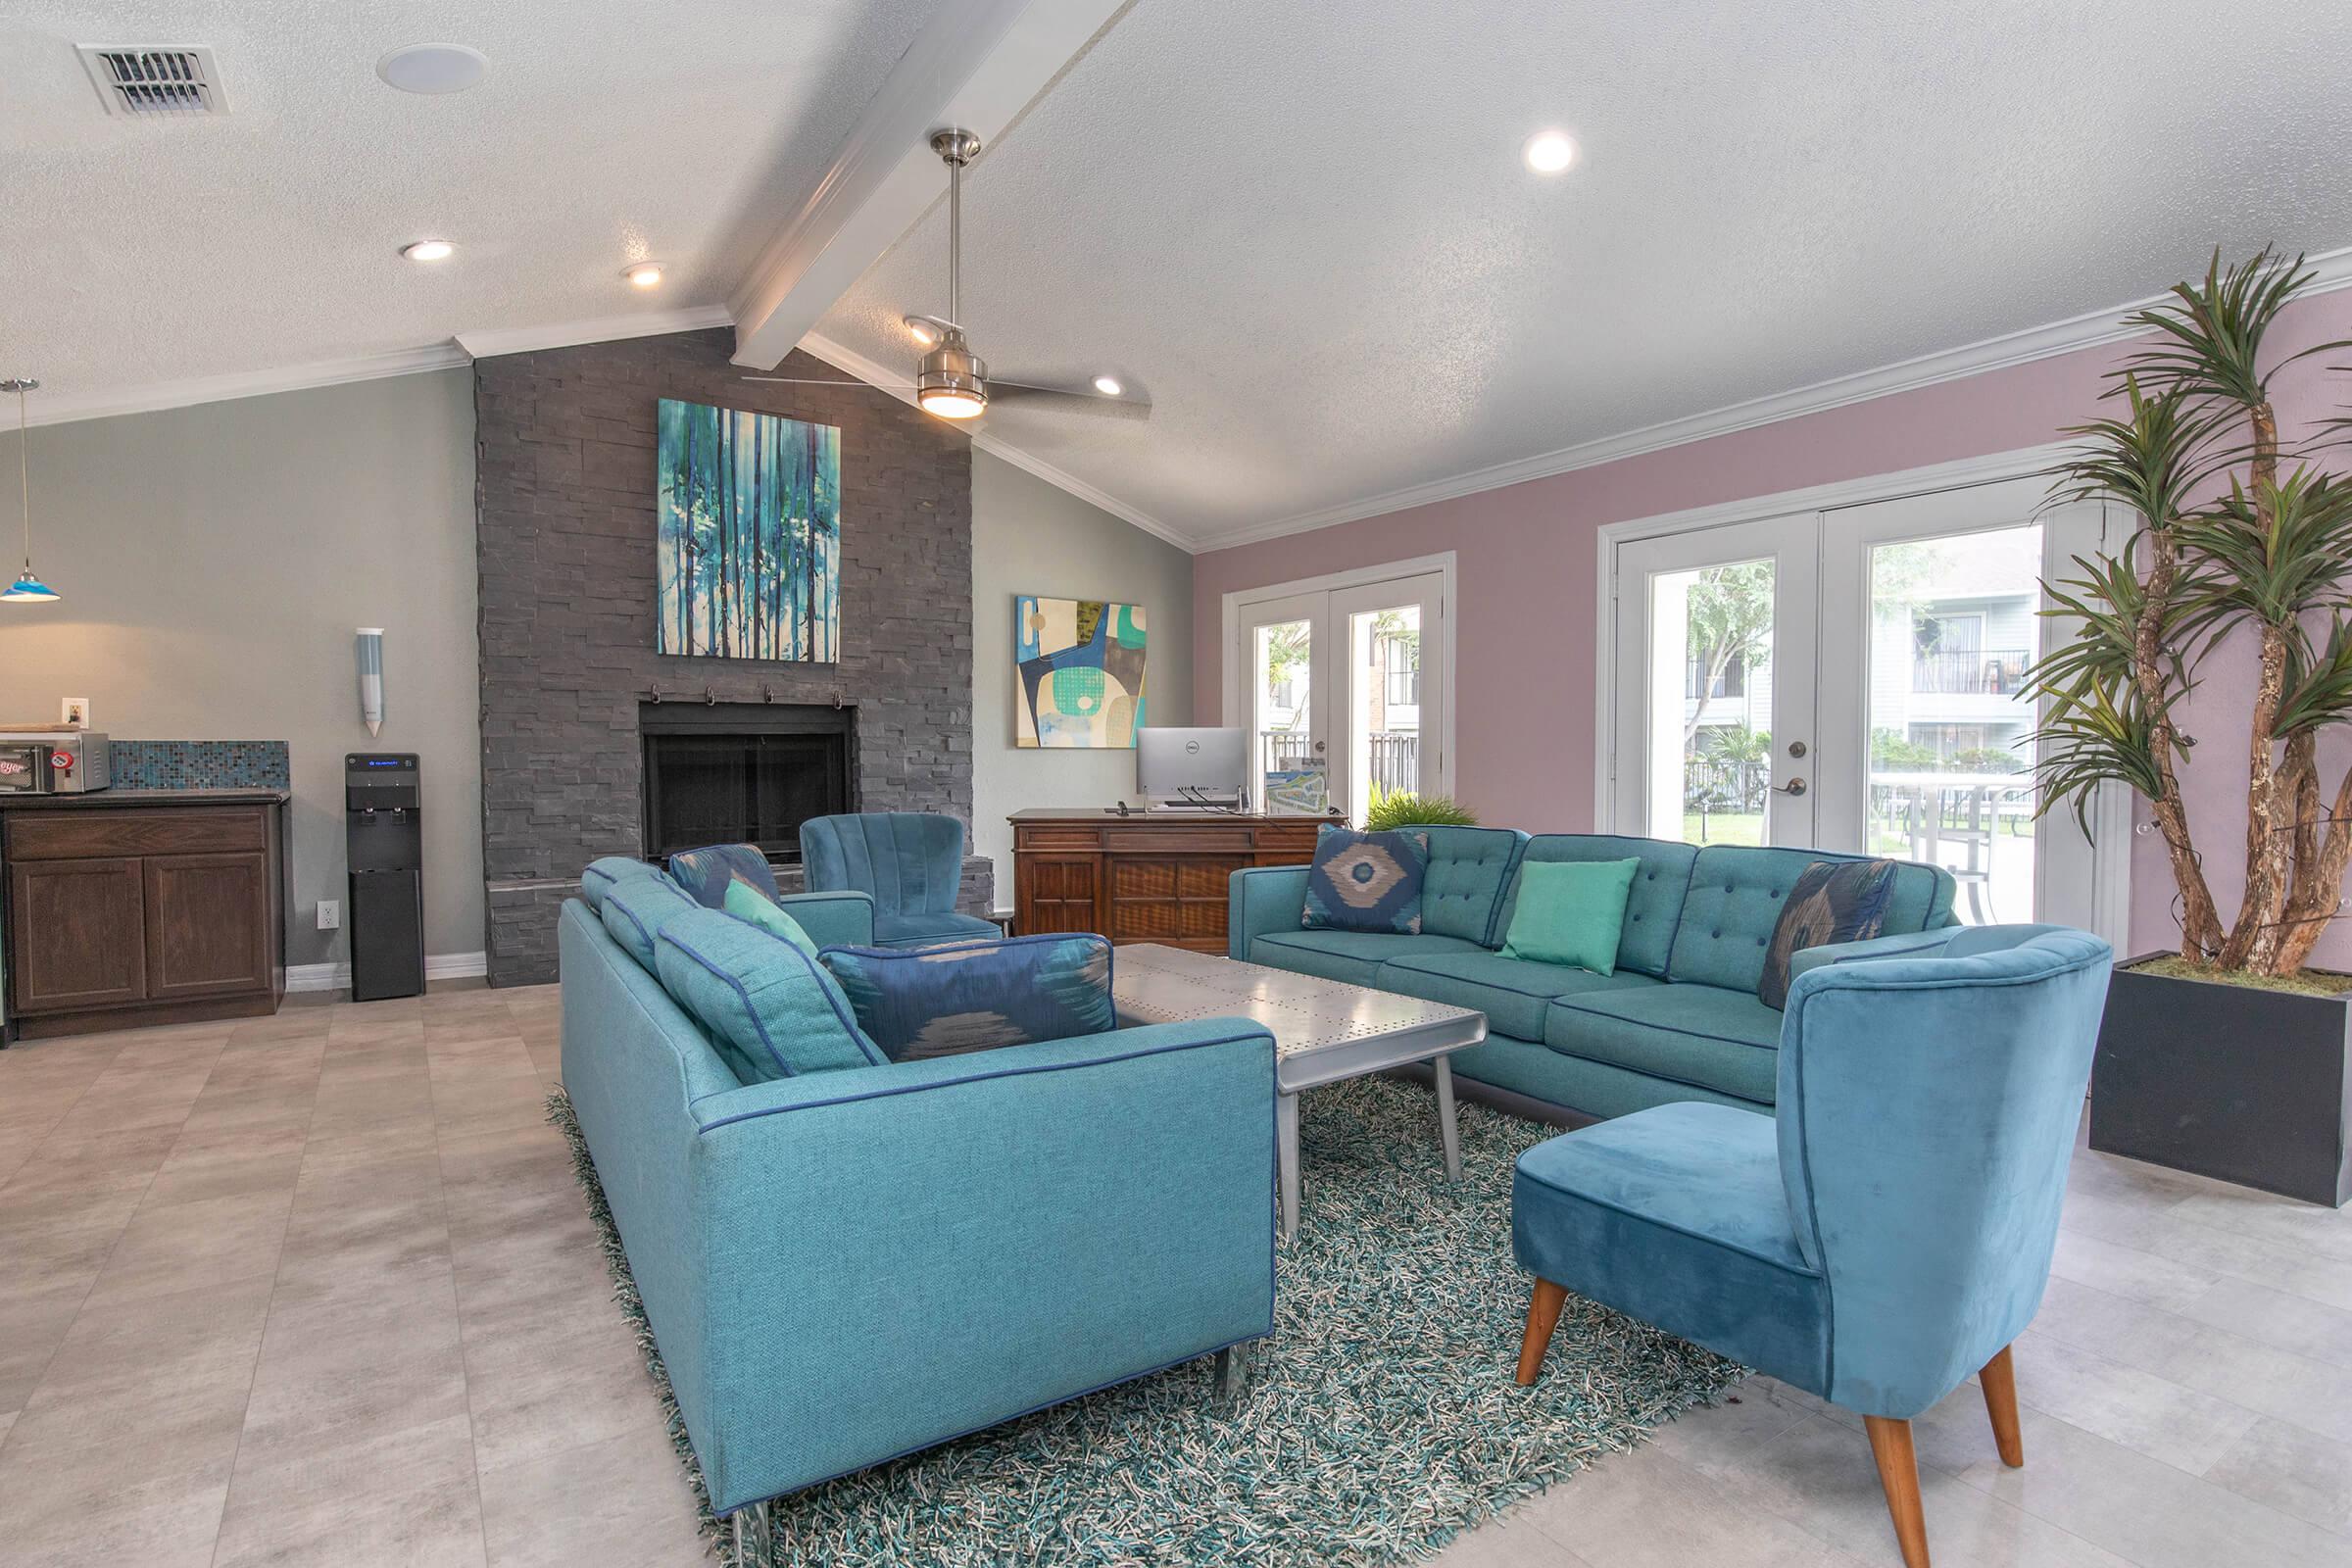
[(2228, 1056), (1395, 809)]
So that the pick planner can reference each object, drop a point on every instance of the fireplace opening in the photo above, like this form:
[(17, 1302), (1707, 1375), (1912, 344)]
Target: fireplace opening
[(742, 773)]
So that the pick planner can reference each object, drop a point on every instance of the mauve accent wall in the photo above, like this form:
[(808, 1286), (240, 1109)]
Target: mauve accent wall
[(1527, 558), (566, 582)]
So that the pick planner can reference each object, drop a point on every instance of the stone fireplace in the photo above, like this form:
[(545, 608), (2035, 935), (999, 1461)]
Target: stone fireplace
[(566, 552)]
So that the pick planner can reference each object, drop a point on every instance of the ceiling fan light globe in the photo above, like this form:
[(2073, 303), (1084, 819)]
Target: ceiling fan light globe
[(952, 382), (951, 404)]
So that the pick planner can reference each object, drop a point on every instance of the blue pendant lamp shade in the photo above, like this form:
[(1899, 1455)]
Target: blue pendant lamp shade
[(28, 589)]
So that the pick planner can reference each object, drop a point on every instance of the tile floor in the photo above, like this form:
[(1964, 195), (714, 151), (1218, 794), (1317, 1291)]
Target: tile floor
[(320, 1287)]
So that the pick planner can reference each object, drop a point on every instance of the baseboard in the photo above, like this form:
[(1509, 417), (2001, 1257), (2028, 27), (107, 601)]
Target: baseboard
[(337, 976)]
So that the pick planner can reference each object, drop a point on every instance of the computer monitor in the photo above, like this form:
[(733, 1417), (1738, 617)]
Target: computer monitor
[(1177, 768)]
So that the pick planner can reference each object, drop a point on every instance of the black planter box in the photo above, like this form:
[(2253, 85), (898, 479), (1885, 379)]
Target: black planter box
[(2227, 1081)]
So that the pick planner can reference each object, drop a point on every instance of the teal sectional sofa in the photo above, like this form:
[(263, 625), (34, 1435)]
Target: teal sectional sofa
[(849, 1264), (1680, 1020)]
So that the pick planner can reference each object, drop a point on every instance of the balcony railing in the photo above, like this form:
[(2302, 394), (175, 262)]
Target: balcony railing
[(1971, 671), (1393, 756)]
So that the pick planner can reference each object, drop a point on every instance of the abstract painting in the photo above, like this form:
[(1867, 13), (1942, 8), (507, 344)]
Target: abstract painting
[(1081, 662), (748, 541)]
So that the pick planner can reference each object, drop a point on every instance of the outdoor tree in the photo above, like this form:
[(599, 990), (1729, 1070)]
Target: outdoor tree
[(1729, 610)]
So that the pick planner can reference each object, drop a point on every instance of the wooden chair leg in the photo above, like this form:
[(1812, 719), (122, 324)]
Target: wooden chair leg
[(1999, 1381), (1543, 1316), (1898, 1473)]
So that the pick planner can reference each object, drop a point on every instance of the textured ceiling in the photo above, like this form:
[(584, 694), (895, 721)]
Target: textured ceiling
[(138, 252), (1306, 231)]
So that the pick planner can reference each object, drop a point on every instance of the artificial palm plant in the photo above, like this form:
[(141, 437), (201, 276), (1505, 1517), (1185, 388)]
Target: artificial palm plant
[(2225, 543)]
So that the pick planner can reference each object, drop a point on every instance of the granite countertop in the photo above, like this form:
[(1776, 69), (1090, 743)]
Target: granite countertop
[(99, 798)]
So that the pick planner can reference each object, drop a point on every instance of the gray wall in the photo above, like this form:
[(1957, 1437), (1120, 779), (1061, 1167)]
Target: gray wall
[(213, 563), (1030, 538)]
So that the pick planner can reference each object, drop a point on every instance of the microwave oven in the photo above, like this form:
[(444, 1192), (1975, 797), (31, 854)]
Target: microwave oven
[(68, 763)]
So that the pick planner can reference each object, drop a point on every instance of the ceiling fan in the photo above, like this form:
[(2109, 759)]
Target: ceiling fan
[(952, 381)]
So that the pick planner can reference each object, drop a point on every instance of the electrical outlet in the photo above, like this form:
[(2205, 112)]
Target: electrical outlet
[(74, 710), (330, 913)]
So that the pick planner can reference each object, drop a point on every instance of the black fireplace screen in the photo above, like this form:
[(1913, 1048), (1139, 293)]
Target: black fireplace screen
[(736, 785)]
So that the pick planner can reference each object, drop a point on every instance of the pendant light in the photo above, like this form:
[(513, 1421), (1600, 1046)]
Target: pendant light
[(28, 589)]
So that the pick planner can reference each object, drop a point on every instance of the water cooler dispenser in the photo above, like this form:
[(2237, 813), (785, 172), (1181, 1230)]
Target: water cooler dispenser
[(384, 836)]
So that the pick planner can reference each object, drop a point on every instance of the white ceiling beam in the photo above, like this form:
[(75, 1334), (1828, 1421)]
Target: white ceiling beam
[(977, 66)]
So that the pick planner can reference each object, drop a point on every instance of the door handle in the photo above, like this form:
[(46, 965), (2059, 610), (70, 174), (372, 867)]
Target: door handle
[(1794, 787)]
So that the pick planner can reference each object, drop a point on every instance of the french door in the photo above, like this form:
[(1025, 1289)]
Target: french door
[(1343, 690), (1855, 679)]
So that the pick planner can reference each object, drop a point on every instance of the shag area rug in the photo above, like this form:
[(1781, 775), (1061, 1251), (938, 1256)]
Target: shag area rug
[(1382, 1418)]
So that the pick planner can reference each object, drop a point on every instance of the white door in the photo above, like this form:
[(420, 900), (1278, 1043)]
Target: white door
[(1390, 692), (1930, 617), (1714, 699), (1344, 691)]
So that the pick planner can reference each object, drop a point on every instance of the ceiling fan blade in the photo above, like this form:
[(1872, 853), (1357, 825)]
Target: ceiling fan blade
[(1069, 399)]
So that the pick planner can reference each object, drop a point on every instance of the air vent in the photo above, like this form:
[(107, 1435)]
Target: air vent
[(150, 83)]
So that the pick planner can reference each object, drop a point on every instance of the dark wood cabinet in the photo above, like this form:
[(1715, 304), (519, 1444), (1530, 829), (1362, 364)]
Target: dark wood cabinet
[(149, 912), (68, 919), (207, 924), (1146, 877)]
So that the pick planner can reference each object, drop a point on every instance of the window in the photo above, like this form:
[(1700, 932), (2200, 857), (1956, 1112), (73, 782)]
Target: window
[(1401, 664), (1732, 682)]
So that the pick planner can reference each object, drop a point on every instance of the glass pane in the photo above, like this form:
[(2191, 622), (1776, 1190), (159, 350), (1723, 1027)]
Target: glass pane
[(1384, 730), (1952, 628), (1711, 674), (1294, 777)]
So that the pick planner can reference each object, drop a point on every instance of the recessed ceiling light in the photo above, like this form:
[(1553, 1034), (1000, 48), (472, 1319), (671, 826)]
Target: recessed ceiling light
[(1550, 151), (1108, 386), (429, 250), (641, 274), (433, 68)]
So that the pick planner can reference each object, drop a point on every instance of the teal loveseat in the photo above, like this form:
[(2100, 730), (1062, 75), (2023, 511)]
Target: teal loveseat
[(1680, 1020), (845, 1266)]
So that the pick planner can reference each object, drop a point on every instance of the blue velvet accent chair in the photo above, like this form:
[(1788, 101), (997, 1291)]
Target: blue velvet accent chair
[(909, 863), (1890, 1231)]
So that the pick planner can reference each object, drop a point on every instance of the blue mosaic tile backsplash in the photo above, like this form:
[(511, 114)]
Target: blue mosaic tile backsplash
[(198, 764)]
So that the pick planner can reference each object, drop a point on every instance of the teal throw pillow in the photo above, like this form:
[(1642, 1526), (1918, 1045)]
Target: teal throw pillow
[(1571, 911), (608, 872), (747, 902), (636, 909), (1830, 900), (977, 996), (770, 1010), (1366, 881)]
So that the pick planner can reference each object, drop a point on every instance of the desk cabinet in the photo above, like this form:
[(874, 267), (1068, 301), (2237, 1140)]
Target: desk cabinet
[(1158, 877)]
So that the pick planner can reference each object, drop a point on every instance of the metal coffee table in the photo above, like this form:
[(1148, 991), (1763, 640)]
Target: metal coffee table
[(1324, 1031)]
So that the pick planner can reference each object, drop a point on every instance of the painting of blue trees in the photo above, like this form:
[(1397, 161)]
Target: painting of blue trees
[(748, 513)]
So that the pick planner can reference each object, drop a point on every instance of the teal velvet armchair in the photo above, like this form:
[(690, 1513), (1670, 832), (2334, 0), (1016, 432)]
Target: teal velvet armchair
[(1890, 1232), (909, 863)]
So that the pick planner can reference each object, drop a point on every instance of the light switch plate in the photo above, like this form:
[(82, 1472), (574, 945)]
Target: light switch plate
[(330, 914), (74, 710)]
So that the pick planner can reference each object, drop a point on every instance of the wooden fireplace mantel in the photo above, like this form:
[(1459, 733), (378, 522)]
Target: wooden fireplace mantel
[(1145, 877)]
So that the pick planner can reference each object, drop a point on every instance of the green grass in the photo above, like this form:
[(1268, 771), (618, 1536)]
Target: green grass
[(1724, 827)]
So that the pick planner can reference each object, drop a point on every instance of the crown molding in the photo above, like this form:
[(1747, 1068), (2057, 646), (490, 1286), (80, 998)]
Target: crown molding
[(2332, 271), (883, 378), (597, 329), (160, 395)]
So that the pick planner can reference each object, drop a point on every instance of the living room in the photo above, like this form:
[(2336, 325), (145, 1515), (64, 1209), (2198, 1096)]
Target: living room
[(1054, 781)]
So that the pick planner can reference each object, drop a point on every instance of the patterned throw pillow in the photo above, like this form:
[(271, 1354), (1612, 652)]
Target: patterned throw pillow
[(1366, 881), (1832, 901), (976, 996), (708, 873)]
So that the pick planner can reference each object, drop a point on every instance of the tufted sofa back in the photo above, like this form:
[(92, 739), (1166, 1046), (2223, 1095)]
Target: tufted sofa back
[(1468, 869), (1735, 900)]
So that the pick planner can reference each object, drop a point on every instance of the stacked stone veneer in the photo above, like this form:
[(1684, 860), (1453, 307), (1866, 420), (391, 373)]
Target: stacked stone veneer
[(566, 545)]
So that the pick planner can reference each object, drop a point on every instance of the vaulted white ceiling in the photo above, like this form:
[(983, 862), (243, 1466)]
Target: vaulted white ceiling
[(1303, 228), (1306, 227), (138, 252)]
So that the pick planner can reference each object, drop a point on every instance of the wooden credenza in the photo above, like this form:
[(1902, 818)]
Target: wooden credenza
[(123, 909), (1158, 877)]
